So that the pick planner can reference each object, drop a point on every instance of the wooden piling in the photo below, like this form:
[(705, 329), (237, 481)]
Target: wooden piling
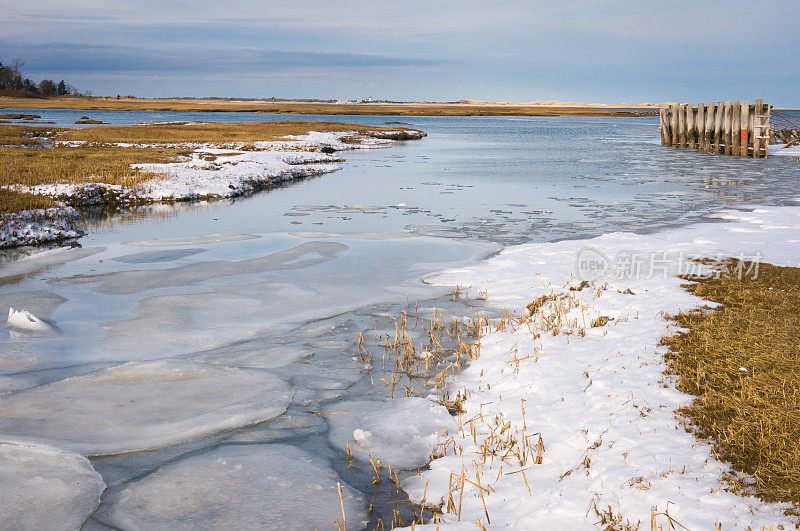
[(701, 127), (718, 119), (736, 124), (734, 128), (708, 140), (666, 134), (682, 125), (673, 123), (744, 121), (690, 129), (727, 122)]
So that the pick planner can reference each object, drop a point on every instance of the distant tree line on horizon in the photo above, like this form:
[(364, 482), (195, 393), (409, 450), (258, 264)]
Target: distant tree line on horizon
[(14, 83)]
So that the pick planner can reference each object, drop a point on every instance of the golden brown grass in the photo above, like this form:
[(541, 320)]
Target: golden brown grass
[(27, 163), (391, 109), (11, 201), (22, 135), (79, 164), (214, 133), (742, 362)]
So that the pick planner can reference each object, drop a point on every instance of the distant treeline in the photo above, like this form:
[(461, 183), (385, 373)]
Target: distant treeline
[(14, 83)]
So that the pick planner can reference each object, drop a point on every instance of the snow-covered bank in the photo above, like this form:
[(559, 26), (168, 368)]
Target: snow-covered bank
[(209, 172), (778, 149), (35, 227), (586, 373)]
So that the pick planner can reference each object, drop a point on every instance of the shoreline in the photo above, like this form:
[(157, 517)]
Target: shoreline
[(576, 383), (210, 171), (372, 108)]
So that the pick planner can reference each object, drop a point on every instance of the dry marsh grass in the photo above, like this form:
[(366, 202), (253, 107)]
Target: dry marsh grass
[(11, 201), (21, 166), (742, 361), (213, 133), (387, 109), (23, 135), (26, 160)]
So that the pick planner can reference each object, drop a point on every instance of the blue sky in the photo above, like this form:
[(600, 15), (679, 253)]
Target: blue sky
[(414, 50)]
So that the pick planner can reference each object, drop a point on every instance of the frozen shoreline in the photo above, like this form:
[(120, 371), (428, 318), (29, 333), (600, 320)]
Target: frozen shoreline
[(210, 172), (613, 449)]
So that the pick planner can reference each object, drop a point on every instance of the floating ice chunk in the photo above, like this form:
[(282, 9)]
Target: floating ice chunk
[(239, 487), (286, 426), (140, 406), (46, 488), (25, 320), (400, 431), (199, 240)]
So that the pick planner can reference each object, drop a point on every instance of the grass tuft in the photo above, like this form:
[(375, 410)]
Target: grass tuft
[(741, 360)]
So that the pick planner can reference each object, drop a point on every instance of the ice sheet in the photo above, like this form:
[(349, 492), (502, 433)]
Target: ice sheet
[(240, 487), (401, 431), (139, 406), (46, 488), (25, 321), (197, 240)]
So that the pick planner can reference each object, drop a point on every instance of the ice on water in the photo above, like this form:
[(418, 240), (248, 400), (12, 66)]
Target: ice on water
[(46, 488), (142, 405), (239, 487), (401, 431), (25, 321)]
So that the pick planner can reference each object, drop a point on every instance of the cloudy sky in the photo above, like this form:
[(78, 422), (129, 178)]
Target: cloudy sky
[(503, 50)]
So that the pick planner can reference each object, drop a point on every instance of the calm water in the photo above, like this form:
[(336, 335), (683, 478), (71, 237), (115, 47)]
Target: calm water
[(304, 268)]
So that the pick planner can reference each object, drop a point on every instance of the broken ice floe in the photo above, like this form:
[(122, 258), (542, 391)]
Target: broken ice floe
[(402, 432), (239, 487), (140, 406), (25, 321), (46, 488)]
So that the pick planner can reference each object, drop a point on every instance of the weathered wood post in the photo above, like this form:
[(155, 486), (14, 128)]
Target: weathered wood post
[(760, 129), (718, 119), (666, 136), (727, 122), (690, 136), (673, 123), (709, 137), (730, 127), (744, 120), (736, 124), (701, 127), (682, 125)]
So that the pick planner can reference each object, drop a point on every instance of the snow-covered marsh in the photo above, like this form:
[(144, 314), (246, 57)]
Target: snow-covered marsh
[(210, 170), (569, 419)]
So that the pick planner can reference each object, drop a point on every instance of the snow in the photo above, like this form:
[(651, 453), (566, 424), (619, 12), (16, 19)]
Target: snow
[(46, 488), (208, 172), (401, 432), (212, 171), (603, 407), (142, 405), (35, 227), (240, 487), (777, 149), (25, 320)]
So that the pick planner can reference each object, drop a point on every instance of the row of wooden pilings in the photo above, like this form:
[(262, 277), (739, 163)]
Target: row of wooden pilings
[(729, 127)]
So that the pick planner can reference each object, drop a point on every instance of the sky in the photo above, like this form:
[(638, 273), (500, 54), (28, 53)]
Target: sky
[(629, 51)]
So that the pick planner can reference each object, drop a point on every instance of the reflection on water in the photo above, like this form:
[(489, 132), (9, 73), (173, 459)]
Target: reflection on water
[(282, 282)]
